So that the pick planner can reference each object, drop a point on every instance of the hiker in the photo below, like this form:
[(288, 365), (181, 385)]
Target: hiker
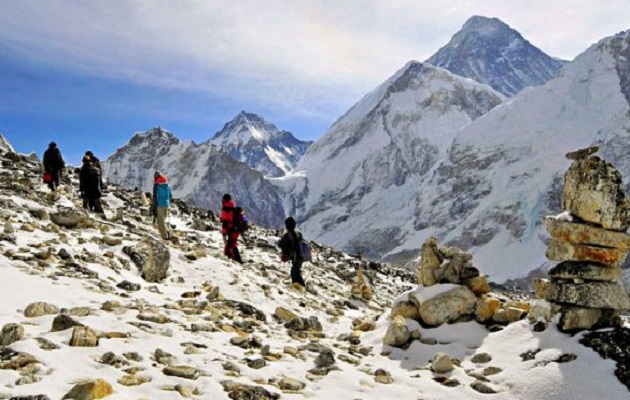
[(90, 184), (96, 162), (160, 201), (289, 244), (229, 229), (53, 165)]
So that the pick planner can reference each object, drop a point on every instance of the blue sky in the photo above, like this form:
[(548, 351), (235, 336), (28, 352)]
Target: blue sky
[(88, 74)]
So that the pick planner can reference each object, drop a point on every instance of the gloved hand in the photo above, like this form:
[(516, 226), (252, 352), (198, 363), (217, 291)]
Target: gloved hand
[(154, 219)]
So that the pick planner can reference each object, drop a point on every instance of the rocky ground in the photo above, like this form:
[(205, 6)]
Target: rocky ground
[(98, 306)]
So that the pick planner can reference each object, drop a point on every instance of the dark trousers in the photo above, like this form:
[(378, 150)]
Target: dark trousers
[(54, 182), (231, 247), (296, 271), (93, 204)]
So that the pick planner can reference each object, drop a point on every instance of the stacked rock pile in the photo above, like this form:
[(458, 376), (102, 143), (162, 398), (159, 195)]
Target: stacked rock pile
[(450, 289), (590, 241)]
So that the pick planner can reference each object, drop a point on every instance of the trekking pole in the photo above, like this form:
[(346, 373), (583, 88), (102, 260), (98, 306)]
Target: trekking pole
[(245, 239)]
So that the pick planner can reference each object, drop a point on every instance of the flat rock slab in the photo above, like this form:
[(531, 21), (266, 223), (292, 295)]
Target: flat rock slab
[(592, 294), (586, 271), (574, 233), (562, 251)]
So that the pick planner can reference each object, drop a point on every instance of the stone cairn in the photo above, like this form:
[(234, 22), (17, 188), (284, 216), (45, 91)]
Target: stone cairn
[(590, 241), (434, 304)]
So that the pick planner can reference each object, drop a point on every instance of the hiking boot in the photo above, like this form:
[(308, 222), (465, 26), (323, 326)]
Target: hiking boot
[(296, 286)]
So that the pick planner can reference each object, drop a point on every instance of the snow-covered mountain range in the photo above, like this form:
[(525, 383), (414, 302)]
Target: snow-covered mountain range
[(200, 174), (251, 139), (489, 51)]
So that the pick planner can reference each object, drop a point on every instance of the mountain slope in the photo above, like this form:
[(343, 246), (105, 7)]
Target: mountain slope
[(251, 139), (197, 173), (362, 175), (489, 51), (504, 171), (217, 329)]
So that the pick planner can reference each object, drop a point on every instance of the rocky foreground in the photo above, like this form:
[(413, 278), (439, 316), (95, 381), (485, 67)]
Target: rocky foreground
[(96, 307)]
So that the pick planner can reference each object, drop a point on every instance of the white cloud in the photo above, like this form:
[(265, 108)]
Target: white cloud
[(292, 54)]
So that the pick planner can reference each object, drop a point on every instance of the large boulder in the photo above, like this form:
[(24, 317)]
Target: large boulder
[(69, 217), (448, 306), (591, 294), (593, 191), (152, 258)]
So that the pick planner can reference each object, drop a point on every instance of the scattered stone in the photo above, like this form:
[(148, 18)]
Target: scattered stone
[(257, 363), (290, 384), (155, 318), (383, 377), (129, 286), (182, 372), (442, 363), (11, 333), (481, 358), (397, 333), (69, 217), (325, 359), (39, 309), (285, 315), (92, 390), (46, 344), (239, 391), (83, 336), (134, 380), (482, 387), (63, 322), (151, 257)]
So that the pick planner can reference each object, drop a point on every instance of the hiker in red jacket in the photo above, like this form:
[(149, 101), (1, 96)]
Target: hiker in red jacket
[(230, 233)]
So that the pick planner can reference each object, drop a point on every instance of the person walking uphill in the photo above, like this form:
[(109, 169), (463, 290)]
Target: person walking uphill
[(90, 184), (289, 243), (160, 201), (228, 228), (53, 164)]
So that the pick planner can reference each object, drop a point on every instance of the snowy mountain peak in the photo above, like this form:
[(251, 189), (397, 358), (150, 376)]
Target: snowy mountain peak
[(251, 139), (489, 51), (156, 136)]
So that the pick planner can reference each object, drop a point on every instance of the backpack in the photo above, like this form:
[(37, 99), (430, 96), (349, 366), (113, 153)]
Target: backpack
[(305, 249), (239, 220)]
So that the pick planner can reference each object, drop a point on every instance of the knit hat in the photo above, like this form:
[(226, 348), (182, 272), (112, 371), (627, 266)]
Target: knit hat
[(226, 197), (157, 174), (290, 224), (52, 145), (89, 153)]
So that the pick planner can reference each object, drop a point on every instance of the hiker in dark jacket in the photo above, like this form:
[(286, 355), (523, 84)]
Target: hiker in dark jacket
[(53, 164), (289, 244), (90, 185), (160, 202), (230, 233)]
